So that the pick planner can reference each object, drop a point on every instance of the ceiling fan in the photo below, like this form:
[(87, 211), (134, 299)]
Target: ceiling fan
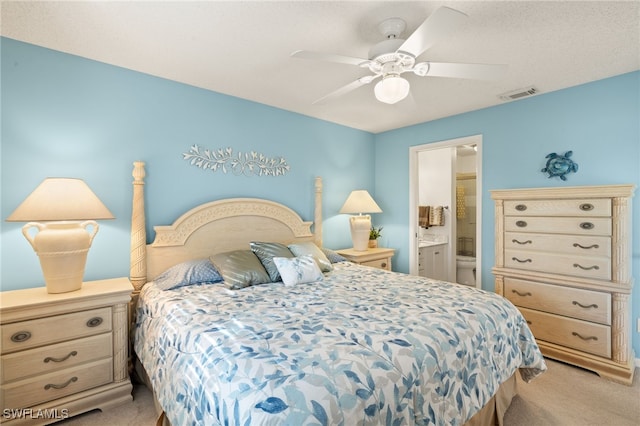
[(394, 56)]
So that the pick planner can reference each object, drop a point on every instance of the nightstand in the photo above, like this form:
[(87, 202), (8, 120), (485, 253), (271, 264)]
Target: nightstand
[(376, 257), (64, 354)]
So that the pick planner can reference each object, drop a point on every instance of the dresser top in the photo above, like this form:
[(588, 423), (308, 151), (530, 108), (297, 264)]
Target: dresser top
[(90, 290), (599, 191)]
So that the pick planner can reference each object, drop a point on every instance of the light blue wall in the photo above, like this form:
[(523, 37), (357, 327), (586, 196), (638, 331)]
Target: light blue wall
[(599, 122), (67, 116)]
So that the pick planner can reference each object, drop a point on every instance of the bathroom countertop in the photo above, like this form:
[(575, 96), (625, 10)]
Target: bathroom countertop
[(430, 243)]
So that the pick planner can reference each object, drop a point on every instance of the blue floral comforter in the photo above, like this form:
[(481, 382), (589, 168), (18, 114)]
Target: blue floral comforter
[(362, 347)]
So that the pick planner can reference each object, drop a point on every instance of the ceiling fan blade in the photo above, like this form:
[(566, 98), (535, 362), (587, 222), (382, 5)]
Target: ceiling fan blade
[(470, 71), (440, 24), (346, 89), (305, 54)]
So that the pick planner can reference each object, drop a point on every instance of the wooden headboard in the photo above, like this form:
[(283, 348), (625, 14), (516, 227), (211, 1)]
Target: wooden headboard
[(214, 227)]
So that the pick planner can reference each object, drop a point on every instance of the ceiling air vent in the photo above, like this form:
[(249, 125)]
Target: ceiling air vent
[(517, 94)]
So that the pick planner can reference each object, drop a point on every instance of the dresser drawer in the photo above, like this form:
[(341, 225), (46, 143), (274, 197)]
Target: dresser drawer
[(559, 225), (48, 387), (580, 266), (567, 244), (584, 207), (380, 264), (570, 302), (584, 336), (50, 358), (32, 333)]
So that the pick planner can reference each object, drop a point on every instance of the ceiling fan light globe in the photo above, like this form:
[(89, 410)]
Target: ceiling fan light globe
[(391, 89)]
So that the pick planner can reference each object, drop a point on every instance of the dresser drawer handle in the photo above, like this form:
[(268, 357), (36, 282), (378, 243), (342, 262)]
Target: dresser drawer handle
[(584, 338), (521, 207), (522, 242), (64, 385), (521, 224), (529, 322), (50, 358), (94, 322), (20, 336), (586, 207), (521, 294), (587, 225), (586, 268), (522, 261), (586, 247), (593, 305), (383, 264)]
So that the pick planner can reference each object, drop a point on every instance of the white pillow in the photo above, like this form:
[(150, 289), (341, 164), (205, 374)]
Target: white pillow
[(298, 270)]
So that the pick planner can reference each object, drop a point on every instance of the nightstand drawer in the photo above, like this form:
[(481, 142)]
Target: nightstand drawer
[(380, 264), (46, 359), (32, 333), (48, 387)]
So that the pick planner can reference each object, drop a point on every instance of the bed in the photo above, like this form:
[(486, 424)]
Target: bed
[(319, 340)]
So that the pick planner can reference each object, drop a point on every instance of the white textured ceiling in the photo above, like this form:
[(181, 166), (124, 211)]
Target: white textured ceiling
[(243, 48)]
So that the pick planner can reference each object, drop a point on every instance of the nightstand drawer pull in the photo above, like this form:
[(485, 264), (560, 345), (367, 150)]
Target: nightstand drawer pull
[(522, 242), (587, 225), (522, 261), (50, 358), (521, 224), (521, 207), (94, 322), (586, 247), (584, 338), (593, 305), (383, 264), (20, 336), (64, 385), (521, 294), (586, 207), (586, 268)]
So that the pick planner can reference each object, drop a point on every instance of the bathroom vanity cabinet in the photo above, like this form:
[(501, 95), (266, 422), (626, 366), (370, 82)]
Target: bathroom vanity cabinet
[(432, 261)]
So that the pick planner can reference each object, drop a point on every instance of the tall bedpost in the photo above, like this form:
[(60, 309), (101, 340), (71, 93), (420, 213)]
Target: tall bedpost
[(317, 219), (138, 265)]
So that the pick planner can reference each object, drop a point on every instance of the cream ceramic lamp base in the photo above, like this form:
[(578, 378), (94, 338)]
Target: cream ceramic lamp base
[(62, 248), (360, 228)]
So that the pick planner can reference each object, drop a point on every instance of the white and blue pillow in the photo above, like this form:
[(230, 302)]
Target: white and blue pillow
[(298, 270)]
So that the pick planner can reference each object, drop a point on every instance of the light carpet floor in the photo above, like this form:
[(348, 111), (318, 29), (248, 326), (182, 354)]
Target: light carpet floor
[(563, 396)]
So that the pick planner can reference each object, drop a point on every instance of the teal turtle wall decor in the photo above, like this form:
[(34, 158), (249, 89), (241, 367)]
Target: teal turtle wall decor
[(560, 165)]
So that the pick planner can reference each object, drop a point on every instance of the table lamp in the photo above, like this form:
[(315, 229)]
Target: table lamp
[(359, 202), (68, 209)]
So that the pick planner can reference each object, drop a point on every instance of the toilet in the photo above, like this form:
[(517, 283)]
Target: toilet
[(466, 270)]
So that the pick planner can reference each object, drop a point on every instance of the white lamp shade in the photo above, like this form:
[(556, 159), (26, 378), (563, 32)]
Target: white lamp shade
[(359, 202), (391, 89), (60, 199)]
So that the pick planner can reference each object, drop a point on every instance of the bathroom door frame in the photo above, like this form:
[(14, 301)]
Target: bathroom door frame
[(413, 202)]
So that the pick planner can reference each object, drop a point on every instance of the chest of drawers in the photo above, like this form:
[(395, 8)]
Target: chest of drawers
[(563, 257), (63, 354)]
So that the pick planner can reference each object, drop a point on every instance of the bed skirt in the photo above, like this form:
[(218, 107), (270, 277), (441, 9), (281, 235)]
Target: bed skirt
[(491, 414)]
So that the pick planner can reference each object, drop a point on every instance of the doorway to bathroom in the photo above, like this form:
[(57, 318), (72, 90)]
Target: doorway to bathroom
[(445, 178)]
